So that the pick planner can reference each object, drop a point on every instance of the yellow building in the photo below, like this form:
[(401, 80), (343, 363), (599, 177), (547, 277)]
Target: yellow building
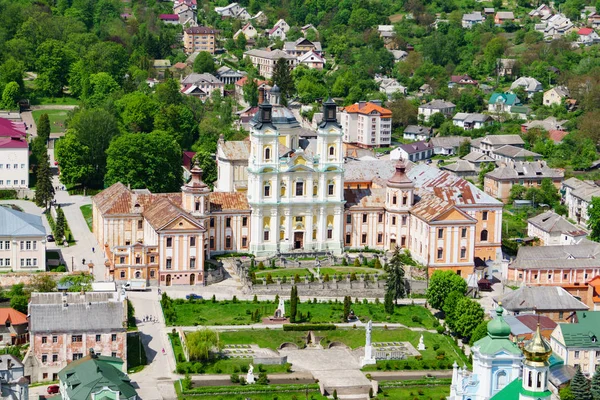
[(199, 38)]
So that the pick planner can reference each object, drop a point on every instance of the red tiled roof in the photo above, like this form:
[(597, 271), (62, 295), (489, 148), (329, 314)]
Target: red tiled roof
[(557, 136), (169, 17), (585, 31), (195, 30), (367, 108), (13, 143), (242, 81), (222, 201), (180, 65), (15, 317)]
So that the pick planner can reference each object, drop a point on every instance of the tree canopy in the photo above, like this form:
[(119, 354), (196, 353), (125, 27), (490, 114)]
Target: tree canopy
[(441, 284)]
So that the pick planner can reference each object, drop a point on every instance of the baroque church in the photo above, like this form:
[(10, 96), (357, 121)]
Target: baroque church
[(287, 189)]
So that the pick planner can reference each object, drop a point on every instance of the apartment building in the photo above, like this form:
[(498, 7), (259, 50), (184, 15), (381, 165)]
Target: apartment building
[(199, 38), (22, 241), (265, 60), (367, 124), (14, 155)]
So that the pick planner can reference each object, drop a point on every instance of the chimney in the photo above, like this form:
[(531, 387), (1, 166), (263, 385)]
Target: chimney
[(377, 102), (361, 104), (261, 95)]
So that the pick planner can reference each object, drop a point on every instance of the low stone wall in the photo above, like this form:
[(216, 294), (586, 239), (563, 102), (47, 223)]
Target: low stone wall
[(214, 276), (14, 278), (270, 360)]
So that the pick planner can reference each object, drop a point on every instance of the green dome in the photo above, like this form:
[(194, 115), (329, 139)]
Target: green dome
[(498, 328)]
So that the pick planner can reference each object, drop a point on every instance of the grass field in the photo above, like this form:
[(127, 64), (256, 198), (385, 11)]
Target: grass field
[(281, 272), (57, 119), (87, 214), (331, 271), (205, 312), (63, 101)]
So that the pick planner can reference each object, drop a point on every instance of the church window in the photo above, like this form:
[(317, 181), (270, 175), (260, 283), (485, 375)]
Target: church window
[(348, 237), (299, 188), (394, 199), (266, 235), (364, 238), (244, 242), (501, 380), (403, 241), (379, 238), (330, 189), (267, 153), (440, 253), (212, 243), (463, 232), (404, 219), (212, 222), (140, 222), (529, 379), (539, 380), (329, 233), (244, 221), (267, 189), (228, 222), (380, 217), (348, 218), (331, 150), (484, 235), (228, 242), (441, 233), (404, 200), (364, 218), (463, 252), (393, 221)]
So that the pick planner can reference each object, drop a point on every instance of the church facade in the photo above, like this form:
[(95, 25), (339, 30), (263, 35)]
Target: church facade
[(286, 189)]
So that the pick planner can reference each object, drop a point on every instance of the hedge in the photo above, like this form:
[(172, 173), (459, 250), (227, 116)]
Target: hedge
[(309, 327), (8, 194), (250, 389)]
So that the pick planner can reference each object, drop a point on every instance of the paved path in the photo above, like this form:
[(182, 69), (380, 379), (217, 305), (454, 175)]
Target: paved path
[(348, 325)]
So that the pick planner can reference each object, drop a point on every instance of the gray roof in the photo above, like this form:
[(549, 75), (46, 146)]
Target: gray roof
[(291, 46), (459, 166), (476, 157), (196, 78), (90, 312), (496, 140), (515, 152), (437, 105), (366, 171), (585, 254), (471, 117), (524, 169), (19, 224), (474, 16), (417, 129), (505, 15), (546, 298), (272, 55), (448, 142), (585, 191), (415, 147), (550, 221), (527, 83), (548, 124)]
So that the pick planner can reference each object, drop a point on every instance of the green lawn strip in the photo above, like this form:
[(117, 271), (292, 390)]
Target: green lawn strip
[(205, 312), (281, 272), (49, 101), (136, 354), (271, 338), (57, 119), (87, 214), (348, 270), (416, 392), (252, 389)]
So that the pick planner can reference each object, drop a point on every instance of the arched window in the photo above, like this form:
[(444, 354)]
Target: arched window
[(484, 235), (529, 379), (267, 153), (539, 380), (331, 150), (267, 190), (501, 379)]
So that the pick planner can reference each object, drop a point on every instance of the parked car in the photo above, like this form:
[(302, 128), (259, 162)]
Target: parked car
[(50, 238), (53, 389), (193, 296)]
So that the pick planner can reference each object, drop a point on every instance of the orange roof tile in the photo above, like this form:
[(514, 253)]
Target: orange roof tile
[(221, 201), (15, 317), (367, 108), (162, 211)]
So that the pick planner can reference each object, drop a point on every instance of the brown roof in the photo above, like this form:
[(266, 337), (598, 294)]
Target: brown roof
[(162, 211), (117, 196), (364, 198), (15, 317), (180, 65), (221, 201), (236, 150), (429, 207)]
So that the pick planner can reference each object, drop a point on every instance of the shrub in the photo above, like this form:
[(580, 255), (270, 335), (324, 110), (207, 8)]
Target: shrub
[(353, 276), (309, 327), (344, 262), (357, 262), (255, 299), (234, 299), (440, 329), (186, 382), (335, 394), (436, 346), (261, 266), (235, 378), (417, 319)]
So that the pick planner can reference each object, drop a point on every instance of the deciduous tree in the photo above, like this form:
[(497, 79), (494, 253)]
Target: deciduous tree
[(469, 315), (209, 167), (10, 95), (441, 284), (203, 344), (283, 78), (204, 63), (251, 92), (43, 283)]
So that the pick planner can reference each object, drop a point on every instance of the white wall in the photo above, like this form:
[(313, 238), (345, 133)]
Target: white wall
[(14, 168)]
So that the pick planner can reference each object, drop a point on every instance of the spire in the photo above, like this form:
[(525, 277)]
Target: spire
[(196, 184), (399, 179), (498, 328), (537, 350)]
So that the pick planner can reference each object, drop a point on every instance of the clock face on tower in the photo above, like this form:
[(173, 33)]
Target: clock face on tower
[(12, 156)]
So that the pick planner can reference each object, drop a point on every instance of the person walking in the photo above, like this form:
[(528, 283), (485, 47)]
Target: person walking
[(93, 250)]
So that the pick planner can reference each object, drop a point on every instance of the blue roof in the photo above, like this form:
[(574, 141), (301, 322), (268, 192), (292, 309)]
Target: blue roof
[(16, 223)]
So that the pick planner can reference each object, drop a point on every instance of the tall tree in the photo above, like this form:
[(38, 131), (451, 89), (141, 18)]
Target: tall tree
[(59, 229), (151, 161), (204, 63), (468, 315), (441, 284), (594, 219), (52, 64), (251, 92), (43, 127), (44, 190), (10, 95), (283, 78), (395, 279), (449, 307), (293, 304), (43, 283), (580, 386), (209, 167), (595, 386), (347, 304), (203, 344), (388, 302)]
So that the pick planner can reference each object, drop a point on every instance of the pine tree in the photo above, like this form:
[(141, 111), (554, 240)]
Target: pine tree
[(580, 386), (347, 303), (59, 230), (44, 191), (293, 304), (283, 78), (43, 127), (595, 389), (388, 303), (395, 279)]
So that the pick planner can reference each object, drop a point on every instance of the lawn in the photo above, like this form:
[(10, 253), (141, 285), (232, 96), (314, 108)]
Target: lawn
[(136, 355), (87, 215), (348, 270), (355, 338), (282, 272), (57, 119), (416, 392), (205, 312), (48, 101)]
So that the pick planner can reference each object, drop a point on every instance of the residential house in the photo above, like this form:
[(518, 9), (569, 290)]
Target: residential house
[(417, 151), (447, 145), (417, 132), (248, 31), (577, 343), (22, 241), (367, 124), (587, 36), (302, 46), (498, 182), (186, 14), (523, 326), (229, 76), (239, 89), (265, 60), (555, 26), (160, 66), (260, 19), (502, 102), (577, 196), (594, 20), (389, 86), (171, 19), (64, 326), (504, 17), (557, 136), (543, 10), (399, 55), (553, 302), (472, 19), (592, 297), (461, 168), (190, 3), (478, 159), (306, 28), (278, 30), (386, 33), (201, 85), (96, 376), (530, 85), (469, 121), (509, 153), (489, 11), (199, 38), (425, 89), (462, 81), (507, 67), (13, 383), (436, 106), (490, 143), (233, 10), (13, 327), (312, 60), (554, 230), (14, 155), (548, 124), (556, 95)]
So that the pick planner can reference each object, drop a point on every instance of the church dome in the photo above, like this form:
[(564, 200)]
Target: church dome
[(498, 328), (275, 89), (537, 350), (399, 179)]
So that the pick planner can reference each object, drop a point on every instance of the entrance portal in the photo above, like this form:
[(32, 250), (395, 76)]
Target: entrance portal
[(168, 280), (192, 279), (298, 240)]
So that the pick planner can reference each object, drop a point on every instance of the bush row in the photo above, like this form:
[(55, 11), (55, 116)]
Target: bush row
[(251, 389), (309, 327)]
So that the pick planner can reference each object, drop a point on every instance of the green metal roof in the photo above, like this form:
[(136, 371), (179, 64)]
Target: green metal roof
[(489, 345), (514, 390), (90, 374), (509, 98), (585, 333)]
